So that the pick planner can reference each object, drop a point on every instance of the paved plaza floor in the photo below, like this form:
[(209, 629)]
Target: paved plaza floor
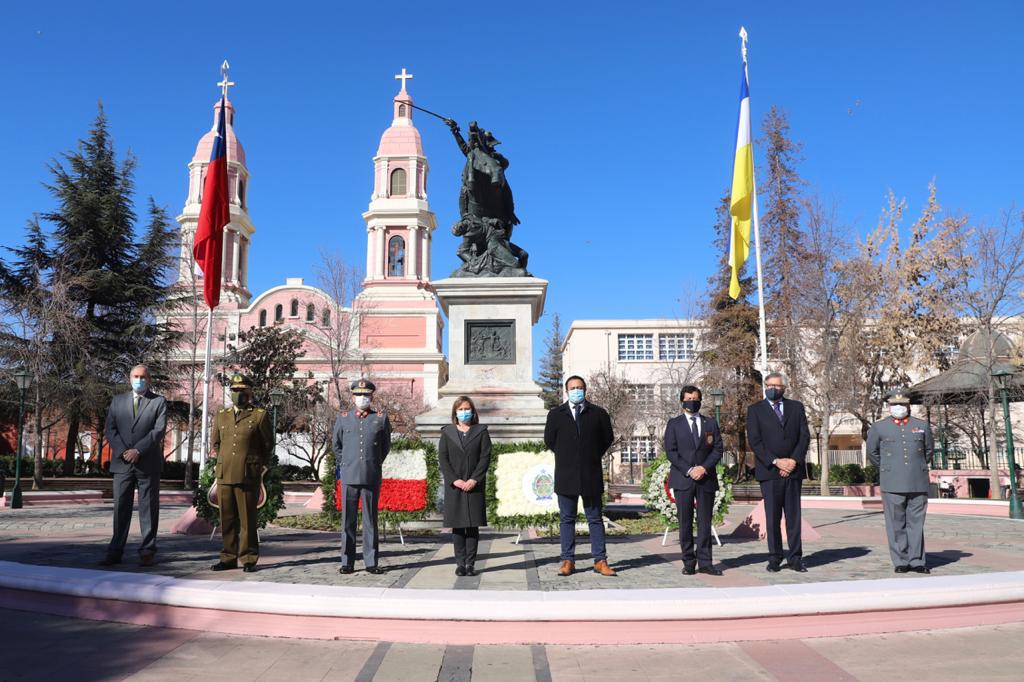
[(852, 547)]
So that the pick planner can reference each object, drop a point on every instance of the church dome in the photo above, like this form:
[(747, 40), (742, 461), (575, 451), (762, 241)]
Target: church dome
[(977, 345), (402, 138), (205, 147)]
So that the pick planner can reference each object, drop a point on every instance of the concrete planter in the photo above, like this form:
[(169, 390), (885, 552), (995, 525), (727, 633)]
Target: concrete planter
[(864, 490)]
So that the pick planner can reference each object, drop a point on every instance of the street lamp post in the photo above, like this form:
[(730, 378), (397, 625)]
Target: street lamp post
[(717, 399), (276, 400), (23, 379), (1002, 375)]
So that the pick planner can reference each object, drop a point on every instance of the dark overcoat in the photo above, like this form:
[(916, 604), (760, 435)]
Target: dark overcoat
[(463, 459), (578, 452)]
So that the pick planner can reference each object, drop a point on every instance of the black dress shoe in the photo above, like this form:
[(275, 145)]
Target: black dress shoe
[(710, 570), (249, 568), (346, 570), (470, 570), (375, 570), (109, 560), (689, 570), (798, 567), (902, 569), (221, 566), (920, 569), (460, 571), (773, 567)]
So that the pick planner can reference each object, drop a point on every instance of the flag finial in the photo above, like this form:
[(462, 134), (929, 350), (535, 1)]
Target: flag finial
[(225, 83), (743, 37)]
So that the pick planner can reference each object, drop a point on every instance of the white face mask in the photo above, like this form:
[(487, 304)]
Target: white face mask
[(899, 411), (362, 402)]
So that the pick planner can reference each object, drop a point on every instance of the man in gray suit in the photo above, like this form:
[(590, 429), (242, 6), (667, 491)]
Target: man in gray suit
[(362, 439), (901, 447), (135, 427)]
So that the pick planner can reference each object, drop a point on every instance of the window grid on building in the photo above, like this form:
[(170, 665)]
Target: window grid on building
[(636, 346), (643, 395), (638, 449), (676, 346)]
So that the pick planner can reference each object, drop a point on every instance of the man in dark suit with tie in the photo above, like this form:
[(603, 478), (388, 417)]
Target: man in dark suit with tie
[(693, 444), (579, 433), (777, 433), (135, 427)]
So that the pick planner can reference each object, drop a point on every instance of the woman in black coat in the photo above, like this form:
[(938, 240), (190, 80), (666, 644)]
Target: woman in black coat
[(463, 453)]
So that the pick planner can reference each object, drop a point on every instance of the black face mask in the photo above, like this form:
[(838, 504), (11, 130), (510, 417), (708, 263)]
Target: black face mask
[(774, 394), (691, 406)]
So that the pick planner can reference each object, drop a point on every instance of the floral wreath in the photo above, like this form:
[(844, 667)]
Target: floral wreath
[(659, 498)]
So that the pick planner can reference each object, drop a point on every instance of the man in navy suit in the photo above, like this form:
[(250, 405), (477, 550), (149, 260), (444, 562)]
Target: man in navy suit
[(777, 433), (693, 444)]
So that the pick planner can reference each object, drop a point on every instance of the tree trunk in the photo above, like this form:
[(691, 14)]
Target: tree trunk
[(191, 439), (995, 491), (70, 447), (37, 473), (823, 457)]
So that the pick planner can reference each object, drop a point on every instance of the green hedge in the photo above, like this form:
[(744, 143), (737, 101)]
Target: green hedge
[(846, 474)]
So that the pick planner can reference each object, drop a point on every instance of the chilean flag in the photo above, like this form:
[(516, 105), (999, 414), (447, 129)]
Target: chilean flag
[(213, 215), (404, 482)]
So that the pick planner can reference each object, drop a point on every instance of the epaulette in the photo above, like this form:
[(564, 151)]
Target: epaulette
[(259, 409)]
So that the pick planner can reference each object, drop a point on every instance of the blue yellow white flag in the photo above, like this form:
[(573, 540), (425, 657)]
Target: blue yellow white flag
[(742, 200)]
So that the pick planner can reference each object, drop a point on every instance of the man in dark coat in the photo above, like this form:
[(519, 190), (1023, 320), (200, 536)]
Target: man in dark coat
[(777, 433), (693, 444), (579, 433), (135, 427), (902, 447)]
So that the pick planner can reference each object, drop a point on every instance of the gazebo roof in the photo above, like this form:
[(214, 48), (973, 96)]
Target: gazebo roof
[(968, 379)]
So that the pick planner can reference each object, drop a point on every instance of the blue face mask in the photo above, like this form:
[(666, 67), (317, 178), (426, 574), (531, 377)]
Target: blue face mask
[(576, 395), (464, 415), (138, 384)]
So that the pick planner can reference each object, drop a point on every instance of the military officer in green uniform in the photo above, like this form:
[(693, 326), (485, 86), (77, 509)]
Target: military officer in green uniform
[(243, 440), (901, 447), (362, 439)]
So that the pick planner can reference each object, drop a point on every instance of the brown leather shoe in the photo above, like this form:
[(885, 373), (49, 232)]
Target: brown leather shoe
[(603, 568), (567, 568)]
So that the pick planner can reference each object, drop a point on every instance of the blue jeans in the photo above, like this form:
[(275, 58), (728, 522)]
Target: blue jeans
[(567, 505)]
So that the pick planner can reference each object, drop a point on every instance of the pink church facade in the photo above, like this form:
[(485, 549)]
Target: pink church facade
[(391, 331)]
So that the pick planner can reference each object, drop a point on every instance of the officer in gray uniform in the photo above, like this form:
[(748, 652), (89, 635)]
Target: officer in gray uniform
[(901, 447), (362, 439)]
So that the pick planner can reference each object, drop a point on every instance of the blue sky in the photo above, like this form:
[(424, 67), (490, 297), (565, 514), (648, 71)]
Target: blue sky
[(618, 118)]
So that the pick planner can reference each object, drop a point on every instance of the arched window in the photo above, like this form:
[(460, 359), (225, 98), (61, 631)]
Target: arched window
[(241, 192), (263, 318), (398, 182), (401, 111), (310, 313), (278, 313), (294, 312), (396, 257), (327, 317)]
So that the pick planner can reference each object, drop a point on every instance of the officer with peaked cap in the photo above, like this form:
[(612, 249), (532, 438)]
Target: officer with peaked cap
[(362, 439), (243, 441), (901, 447)]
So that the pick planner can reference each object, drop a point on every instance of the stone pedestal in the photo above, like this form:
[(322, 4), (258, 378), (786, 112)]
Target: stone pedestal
[(490, 355)]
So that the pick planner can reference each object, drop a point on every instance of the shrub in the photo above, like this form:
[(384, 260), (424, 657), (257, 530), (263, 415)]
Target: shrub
[(846, 474), (871, 474)]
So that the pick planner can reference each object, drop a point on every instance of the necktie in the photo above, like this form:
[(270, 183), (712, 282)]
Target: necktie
[(577, 408), (778, 410), (696, 434), (135, 405)]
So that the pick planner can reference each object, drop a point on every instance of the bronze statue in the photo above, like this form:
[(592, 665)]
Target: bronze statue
[(486, 210)]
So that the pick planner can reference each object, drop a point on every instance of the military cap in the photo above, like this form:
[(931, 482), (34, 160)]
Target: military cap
[(898, 396), (362, 387), (240, 382)]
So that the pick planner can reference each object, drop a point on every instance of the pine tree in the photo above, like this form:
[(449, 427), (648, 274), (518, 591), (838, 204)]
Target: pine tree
[(785, 252), (116, 285), (551, 365), (730, 342)]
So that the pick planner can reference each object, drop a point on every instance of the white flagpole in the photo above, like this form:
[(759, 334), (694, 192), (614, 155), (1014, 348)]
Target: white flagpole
[(762, 360), (204, 441)]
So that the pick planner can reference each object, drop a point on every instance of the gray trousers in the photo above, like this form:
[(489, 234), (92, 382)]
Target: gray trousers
[(904, 525), (351, 495), (149, 510)]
